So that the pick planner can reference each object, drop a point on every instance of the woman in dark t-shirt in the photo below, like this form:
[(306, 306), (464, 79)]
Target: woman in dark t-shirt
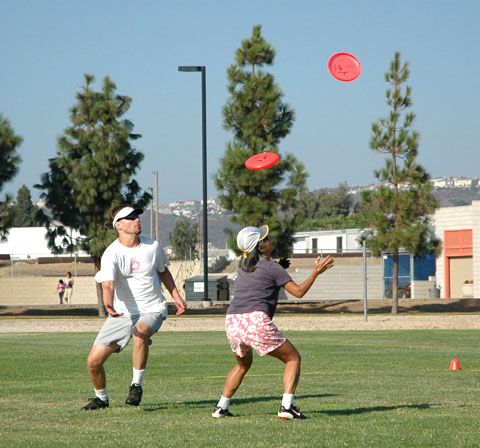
[(249, 318)]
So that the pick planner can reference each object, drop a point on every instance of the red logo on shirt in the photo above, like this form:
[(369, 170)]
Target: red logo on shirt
[(135, 265)]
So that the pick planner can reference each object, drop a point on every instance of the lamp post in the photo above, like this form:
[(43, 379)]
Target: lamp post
[(202, 69), (151, 212)]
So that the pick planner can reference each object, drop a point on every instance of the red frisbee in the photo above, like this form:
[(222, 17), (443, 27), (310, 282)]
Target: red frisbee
[(344, 67), (262, 161)]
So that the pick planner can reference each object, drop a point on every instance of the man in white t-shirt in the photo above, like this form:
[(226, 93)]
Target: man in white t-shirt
[(132, 270)]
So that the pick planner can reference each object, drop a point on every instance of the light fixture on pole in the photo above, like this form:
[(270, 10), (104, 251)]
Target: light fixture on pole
[(202, 69)]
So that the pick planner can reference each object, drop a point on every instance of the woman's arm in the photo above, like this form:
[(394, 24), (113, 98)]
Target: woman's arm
[(299, 290)]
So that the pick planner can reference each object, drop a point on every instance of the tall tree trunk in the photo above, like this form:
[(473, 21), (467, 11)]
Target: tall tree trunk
[(395, 284), (101, 308)]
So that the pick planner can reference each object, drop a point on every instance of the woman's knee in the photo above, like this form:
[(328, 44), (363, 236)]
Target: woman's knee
[(244, 364), (297, 357)]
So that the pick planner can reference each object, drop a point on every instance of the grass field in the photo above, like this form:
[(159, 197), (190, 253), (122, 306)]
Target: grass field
[(360, 389)]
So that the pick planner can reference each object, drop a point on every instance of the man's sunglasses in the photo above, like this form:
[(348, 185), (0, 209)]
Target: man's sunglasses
[(130, 217)]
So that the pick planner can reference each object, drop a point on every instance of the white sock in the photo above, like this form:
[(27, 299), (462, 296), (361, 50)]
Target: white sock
[(287, 401), (224, 402), (138, 376), (102, 394)]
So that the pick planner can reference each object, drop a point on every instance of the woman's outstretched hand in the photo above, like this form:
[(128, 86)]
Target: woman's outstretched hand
[(322, 264)]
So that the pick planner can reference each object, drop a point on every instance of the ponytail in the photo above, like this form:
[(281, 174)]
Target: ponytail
[(248, 261)]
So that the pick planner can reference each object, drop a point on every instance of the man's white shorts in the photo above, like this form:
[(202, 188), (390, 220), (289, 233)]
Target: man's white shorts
[(118, 330)]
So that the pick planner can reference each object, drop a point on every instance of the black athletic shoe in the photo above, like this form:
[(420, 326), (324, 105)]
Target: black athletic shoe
[(218, 412), (291, 413), (94, 404), (134, 395)]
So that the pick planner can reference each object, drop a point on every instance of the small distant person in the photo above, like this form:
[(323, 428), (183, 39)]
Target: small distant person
[(132, 270), (249, 317), (68, 287), (60, 290)]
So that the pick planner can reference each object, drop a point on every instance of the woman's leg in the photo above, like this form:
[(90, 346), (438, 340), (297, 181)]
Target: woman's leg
[(235, 376), (288, 354)]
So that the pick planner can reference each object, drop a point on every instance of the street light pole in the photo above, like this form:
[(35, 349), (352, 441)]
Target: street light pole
[(157, 236), (151, 213), (203, 70)]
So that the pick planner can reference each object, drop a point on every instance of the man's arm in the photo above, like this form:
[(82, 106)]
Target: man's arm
[(167, 279), (108, 288)]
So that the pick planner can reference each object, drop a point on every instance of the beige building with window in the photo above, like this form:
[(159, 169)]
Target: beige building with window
[(458, 266)]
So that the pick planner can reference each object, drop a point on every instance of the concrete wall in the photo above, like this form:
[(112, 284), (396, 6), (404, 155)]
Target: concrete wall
[(36, 290), (343, 282), (42, 291), (420, 289)]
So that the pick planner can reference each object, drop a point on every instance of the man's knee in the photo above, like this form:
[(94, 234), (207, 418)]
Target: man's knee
[(94, 361), (141, 334)]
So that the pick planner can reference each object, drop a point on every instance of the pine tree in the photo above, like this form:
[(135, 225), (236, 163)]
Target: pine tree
[(399, 210), (184, 238), (258, 119), (24, 211), (9, 162), (92, 172)]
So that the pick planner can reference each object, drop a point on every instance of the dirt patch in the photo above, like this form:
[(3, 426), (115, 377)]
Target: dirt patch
[(284, 322), (409, 306), (313, 316)]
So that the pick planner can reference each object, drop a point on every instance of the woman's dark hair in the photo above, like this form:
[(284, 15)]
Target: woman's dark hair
[(249, 263)]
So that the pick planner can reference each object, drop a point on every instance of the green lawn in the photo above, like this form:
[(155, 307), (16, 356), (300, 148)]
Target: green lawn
[(360, 389)]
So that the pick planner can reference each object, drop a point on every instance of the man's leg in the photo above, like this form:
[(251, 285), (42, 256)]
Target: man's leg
[(232, 383), (141, 335), (96, 358)]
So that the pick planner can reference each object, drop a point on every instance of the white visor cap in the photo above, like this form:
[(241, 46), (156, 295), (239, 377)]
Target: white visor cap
[(248, 237), (124, 212)]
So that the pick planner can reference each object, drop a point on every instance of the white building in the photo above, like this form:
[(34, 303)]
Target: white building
[(29, 242), (460, 182), (319, 241), (441, 183)]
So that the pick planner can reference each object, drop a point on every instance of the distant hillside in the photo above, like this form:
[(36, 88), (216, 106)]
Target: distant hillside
[(451, 197), (448, 197), (166, 225)]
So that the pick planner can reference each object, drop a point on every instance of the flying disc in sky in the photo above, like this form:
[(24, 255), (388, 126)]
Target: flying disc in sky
[(262, 161), (344, 67)]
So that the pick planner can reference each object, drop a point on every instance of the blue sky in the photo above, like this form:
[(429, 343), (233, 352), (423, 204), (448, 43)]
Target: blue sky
[(47, 46)]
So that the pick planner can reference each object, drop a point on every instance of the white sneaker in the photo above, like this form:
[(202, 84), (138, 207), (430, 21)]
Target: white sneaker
[(289, 414), (218, 412)]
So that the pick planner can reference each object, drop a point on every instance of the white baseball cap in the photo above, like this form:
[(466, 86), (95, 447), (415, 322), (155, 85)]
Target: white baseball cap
[(248, 238), (124, 212)]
